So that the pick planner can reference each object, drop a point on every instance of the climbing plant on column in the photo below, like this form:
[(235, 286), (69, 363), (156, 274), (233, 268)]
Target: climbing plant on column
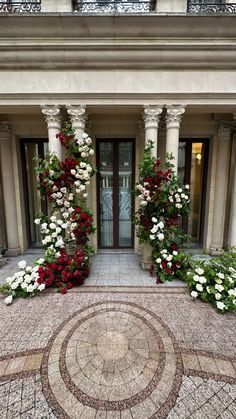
[(66, 231)]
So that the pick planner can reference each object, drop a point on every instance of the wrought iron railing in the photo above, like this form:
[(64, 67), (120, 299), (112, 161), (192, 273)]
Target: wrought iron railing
[(20, 6), (211, 7), (113, 6)]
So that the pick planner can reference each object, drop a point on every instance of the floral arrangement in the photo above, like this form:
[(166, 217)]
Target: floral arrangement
[(162, 204), (63, 183), (214, 281)]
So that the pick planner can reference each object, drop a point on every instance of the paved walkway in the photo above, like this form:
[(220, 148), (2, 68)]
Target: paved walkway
[(109, 351)]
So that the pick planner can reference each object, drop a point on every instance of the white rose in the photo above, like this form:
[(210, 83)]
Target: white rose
[(63, 190), (59, 222), (84, 135), (217, 296), (154, 229), (70, 210), (9, 280), (8, 300), (202, 279), (24, 285), (85, 195), (169, 258), (187, 186), (44, 226), (196, 278), (231, 269), (219, 287), (22, 264), (65, 215), (53, 218), (40, 261), (199, 271), (154, 220), (158, 260), (194, 294), (169, 264), (73, 172), (199, 287), (14, 285), (83, 154), (37, 221), (208, 290), (30, 288), (232, 292), (161, 225), (161, 236), (152, 237), (220, 275), (41, 287), (175, 253), (28, 278), (220, 305), (91, 152), (219, 281)]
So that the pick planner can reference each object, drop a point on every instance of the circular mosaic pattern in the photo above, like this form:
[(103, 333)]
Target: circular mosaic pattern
[(112, 356)]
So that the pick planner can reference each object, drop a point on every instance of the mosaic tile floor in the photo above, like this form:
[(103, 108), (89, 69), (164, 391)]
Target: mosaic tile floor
[(109, 351)]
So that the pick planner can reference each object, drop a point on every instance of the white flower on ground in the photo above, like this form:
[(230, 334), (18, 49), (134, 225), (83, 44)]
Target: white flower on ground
[(220, 275), (37, 221), (199, 271), (22, 264), (8, 300), (219, 281), (232, 292), (41, 287), (14, 285), (202, 280), (30, 288), (194, 294), (218, 287), (220, 305), (196, 278), (217, 296), (199, 287), (24, 285)]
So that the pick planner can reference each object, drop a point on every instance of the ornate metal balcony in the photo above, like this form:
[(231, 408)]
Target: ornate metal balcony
[(20, 6), (114, 6), (211, 7)]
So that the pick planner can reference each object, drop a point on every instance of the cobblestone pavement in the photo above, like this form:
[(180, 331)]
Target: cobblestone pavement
[(116, 351)]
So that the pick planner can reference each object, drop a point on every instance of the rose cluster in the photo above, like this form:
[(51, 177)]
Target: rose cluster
[(180, 197), (53, 232), (157, 230), (81, 225), (81, 146)]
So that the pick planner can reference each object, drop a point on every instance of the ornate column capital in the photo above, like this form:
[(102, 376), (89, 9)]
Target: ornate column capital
[(52, 115), (77, 115), (151, 115), (174, 115), (5, 129), (223, 132)]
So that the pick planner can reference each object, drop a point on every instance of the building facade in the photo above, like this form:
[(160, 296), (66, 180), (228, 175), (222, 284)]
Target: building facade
[(125, 72)]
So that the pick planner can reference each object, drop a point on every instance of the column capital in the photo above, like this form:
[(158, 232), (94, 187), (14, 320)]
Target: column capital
[(5, 129), (151, 115), (77, 115), (52, 115), (174, 115), (223, 132)]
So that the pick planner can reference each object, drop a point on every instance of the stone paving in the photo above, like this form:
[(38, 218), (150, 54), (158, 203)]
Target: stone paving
[(109, 351)]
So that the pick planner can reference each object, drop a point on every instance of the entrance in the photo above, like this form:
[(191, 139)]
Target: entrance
[(115, 182), (30, 149), (192, 170)]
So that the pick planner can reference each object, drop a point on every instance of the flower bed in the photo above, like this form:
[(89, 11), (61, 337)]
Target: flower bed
[(69, 226)]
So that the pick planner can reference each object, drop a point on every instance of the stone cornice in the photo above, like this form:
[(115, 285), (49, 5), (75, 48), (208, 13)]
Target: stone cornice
[(66, 42)]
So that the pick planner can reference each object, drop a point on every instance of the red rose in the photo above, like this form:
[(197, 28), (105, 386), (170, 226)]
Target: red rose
[(59, 268), (63, 290)]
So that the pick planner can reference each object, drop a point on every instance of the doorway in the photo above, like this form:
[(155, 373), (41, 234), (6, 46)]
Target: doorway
[(192, 170), (34, 203), (115, 183)]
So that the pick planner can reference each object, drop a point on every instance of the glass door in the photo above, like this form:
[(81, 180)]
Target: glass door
[(30, 149), (192, 170), (115, 161)]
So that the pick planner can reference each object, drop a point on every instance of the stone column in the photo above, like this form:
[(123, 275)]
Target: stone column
[(173, 119), (53, 119), (78, 118), (151, 117), (232, 224), (8, 185), (221, 180)]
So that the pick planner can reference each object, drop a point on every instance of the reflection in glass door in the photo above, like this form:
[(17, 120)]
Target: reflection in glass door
[(192, 170), (115, 200), (30, 149)]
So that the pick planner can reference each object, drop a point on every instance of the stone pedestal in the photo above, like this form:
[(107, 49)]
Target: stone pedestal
[(151, 118), (173, 119), (146, 258)]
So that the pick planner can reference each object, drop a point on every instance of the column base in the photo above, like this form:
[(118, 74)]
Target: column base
[(216, 251), (2, 261), (13, 252)]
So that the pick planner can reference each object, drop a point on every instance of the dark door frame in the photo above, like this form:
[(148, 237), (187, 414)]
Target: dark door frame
[(115, 194), (205, 142), (40, 142)]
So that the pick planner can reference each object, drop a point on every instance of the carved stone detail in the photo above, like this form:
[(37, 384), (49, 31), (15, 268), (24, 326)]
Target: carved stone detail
[(174, 115), (223, 132), (5, 129), (151, 115), (77, 115), (52, 115)]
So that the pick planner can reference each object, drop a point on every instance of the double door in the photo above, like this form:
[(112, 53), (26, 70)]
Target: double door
[(115, 163)]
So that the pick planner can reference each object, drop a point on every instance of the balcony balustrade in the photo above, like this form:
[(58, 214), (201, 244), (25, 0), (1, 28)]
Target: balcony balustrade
[(114, 6), (209, 7), (20, 6)]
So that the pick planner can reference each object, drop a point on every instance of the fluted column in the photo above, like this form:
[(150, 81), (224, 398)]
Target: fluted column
[(53, 119), (78, 118), (8, 185), (151, 117), (173, 119), (223, 145), (232, 225)]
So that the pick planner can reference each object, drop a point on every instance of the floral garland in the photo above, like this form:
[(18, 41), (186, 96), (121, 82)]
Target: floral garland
[(63, 183), (162, 202)]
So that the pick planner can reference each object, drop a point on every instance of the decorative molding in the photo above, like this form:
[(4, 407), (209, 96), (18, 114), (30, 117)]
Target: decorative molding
[(5, 129), (52, 115), (174, 115), (151, 115), (77, 115)]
